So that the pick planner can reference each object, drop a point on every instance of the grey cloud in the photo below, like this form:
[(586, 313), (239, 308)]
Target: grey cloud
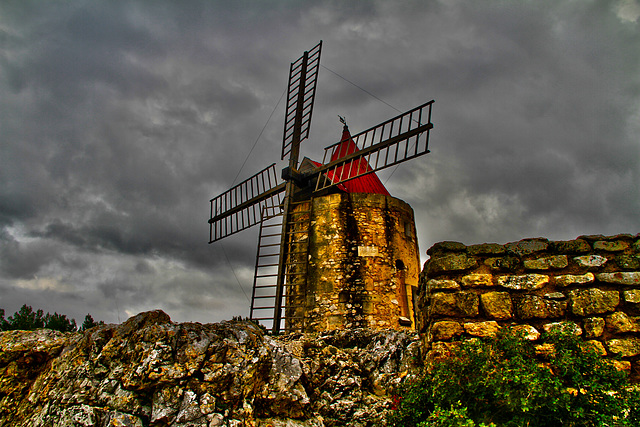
[(120, 120)]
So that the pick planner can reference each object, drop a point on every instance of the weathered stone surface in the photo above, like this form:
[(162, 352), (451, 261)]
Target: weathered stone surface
[(527, 331), (436, 284), (546, 263), (533, 306), (593, 327), (610, 246), (625, 347), (527, 246), (458, 304), (455, 262), (497, 305), (628, 278), (571, 246), (632, 296), (590, 261), (555, 295), (628, 262), (508, 263), (566, 326), (594, 345), (620, 322), (445, 330), (482, 329), (477, 280), (486, 249), (153, 372), (525, 282), (585, 302), (444, 247), (574, 279)]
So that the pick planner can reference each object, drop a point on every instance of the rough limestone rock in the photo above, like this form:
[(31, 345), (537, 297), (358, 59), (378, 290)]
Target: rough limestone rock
[(526, 282), (451, 263), (497, 305), (585, 302), (533, 306), (460, 304), (445, 330), (150, 371), (620, 322), (487, 329)]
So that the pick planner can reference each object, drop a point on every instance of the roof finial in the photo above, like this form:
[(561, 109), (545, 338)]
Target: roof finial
[(343, 121)]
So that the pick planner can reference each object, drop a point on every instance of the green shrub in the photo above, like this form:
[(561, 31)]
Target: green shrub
[(502, 382)]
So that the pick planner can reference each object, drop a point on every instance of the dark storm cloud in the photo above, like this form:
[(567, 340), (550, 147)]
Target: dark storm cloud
[(120, 120)]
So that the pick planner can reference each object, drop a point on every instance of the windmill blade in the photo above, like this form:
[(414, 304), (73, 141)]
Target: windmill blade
[(392, 142), (240, 207), (303, 76)]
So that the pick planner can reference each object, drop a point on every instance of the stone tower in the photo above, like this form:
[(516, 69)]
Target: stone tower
[(363, 260)]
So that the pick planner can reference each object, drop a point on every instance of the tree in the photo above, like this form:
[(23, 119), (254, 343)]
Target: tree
[(89, 323), (2, 321), (25, 319), (59, 322)]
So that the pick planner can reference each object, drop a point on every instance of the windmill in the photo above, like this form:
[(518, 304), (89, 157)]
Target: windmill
[(281, 206)]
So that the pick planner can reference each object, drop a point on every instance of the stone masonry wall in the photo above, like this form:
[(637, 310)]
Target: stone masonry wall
[(591, 284)]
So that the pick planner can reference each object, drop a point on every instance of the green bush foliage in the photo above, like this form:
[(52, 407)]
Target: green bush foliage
[(502, 382)]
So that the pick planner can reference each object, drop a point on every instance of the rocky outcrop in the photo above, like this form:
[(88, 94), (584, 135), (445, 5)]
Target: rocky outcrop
[(150, 371)]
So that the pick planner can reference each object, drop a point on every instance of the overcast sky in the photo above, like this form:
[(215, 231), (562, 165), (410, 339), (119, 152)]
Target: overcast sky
[(119, 120)]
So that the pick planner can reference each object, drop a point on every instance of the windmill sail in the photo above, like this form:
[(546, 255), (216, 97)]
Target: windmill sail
[(303, 77), (240, 207), (395, 141)]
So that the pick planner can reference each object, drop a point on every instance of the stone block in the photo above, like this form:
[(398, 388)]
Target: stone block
[(444, 247), (632, 296), (585, 302), (577, 246), (590, 261), (438, 284), (610, 246), (628, 278), (503, 263), (445, 330), (454, 262), (574, 279), (625, 347), (628, 262), (619, 322), (555, 295), (486, 249), (487, 329), (533, 306), (594, 345), (527, 331), (477, 280), (497, 305), (459, 304), (525, 282), (593, 327), (546, 263), (527, 246), (565, 326)]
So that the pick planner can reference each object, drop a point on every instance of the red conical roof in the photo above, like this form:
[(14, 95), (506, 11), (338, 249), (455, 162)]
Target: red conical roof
[(369, 183)]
